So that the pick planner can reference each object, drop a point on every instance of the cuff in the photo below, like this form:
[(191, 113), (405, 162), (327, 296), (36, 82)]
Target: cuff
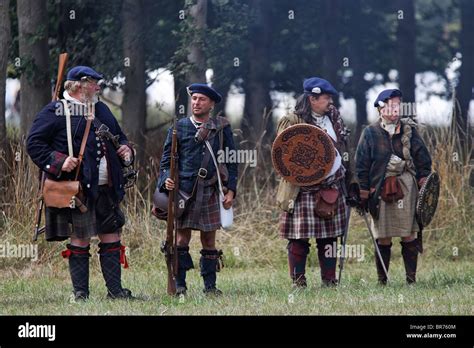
[(56, 161), (364, 194), (164, 174), (421, 181)]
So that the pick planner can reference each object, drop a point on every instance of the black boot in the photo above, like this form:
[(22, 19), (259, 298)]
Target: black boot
[(185, 263), (79, 269), (385, 251), (209, 264), (111, 256), (410, 258), (327, 256), (298, 251)]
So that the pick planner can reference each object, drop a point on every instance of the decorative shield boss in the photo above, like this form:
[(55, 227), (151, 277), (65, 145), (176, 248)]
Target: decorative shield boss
[(303, 154)]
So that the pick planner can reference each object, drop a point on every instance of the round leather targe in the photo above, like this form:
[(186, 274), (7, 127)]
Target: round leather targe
[(427, 201), (303, 154)]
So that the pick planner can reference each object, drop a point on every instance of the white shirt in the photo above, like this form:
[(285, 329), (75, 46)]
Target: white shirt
[(103, 173), (324, 123)]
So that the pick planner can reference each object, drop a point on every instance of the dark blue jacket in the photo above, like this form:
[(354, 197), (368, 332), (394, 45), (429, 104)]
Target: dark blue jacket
[(190, 155), (48, 148)]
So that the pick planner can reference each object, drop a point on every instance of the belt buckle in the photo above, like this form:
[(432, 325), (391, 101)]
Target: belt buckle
[(202, 173)]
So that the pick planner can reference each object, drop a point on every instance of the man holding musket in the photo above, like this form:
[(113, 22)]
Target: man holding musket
[(198, 182), (67, 147)]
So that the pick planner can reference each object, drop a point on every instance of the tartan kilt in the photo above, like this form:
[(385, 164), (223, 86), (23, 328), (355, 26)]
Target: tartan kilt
[(209, 212), (304, 223), (398, 219), (63, 223)]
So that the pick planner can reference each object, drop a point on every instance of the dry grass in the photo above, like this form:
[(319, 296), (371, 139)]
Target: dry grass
[(254, 236)]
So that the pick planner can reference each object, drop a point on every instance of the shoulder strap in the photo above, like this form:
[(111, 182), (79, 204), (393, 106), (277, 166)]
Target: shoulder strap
[(406, 149), (221, 139), (209, 147), (84, 141), (67, 113)]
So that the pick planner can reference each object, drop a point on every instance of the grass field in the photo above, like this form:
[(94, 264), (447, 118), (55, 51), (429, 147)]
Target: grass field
[(255, 280), (445, 287)]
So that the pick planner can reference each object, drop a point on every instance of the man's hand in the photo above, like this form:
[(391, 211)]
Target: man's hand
[(364, 200), (228, 198), (124, 152), (421, 182), (69, 164), (169, 184)]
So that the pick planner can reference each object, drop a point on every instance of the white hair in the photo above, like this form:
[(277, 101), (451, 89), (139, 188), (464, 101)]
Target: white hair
[(71, 86)]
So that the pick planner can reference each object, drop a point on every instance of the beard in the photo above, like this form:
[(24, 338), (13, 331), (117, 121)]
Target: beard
[(94, 98)]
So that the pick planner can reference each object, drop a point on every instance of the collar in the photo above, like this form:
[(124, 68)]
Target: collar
[(316, 115), (196, 123), (318, 119), (68, 97), (390, 128)]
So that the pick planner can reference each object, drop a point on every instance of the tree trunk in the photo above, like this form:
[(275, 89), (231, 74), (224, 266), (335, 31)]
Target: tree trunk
[(406, 36), (33, 44), (330, 34), (5, 43), (258, 103), (223, 88), (465, 88), (134, 99), (359, 67), (180, 95), (196, 56)]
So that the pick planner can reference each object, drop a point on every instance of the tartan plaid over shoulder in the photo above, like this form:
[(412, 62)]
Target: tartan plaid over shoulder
[(373, 153)]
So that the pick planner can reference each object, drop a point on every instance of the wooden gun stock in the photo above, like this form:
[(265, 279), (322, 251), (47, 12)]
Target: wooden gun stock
[(63, 57), (170, 248)]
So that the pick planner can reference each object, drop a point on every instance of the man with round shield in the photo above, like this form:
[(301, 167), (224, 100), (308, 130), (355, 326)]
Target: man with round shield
[(392, 161), (312, 190)]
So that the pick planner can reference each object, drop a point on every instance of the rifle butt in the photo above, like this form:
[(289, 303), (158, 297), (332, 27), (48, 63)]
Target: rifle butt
[(171, 287)]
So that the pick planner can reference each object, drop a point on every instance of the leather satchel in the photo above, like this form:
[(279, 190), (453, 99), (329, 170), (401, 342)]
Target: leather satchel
[(392, 190), (60, 194), (65, 194), (326, 203)]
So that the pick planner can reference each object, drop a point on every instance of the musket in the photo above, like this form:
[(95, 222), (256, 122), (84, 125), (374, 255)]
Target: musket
[(169, 246), (39, 211)]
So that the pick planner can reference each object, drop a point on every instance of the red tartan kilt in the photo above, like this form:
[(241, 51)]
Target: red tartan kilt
[(304, 223)]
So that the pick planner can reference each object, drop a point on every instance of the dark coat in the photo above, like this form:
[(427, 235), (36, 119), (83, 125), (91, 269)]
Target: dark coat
[(374, 152), (48, 148), (191, 153)]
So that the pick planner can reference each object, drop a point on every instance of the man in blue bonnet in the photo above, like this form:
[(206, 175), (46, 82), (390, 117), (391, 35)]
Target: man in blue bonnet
[(100, 175), (392, 162), (298, 220), (197, 177)]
